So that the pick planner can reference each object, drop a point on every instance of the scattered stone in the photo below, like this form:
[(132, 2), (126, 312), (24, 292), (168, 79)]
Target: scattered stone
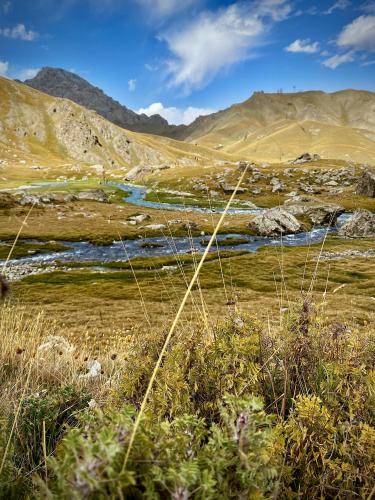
[(346, 254), (139, 218), (360, 225), (366, 184), (155, 227), (94, 369), (274, 222), (277, 185), (231, 189)]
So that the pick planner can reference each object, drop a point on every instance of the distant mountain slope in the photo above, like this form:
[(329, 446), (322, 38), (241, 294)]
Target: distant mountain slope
[(32, 122), (61, 83), (281, 126)]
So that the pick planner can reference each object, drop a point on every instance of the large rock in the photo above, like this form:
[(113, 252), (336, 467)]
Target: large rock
[(138, 218), (93, 195), (277, 185), (366, 184), (155, 227), (320, 214), (231, 189), (360, 225), (274, 222), (305, 158)]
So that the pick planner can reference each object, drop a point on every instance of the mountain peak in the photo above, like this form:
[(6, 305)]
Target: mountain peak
[(59, 82)]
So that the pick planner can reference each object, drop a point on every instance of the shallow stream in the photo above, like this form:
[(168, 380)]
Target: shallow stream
[(164, 245)]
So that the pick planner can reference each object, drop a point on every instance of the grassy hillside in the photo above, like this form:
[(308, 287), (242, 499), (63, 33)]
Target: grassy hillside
[(42, 131), (279, 127)]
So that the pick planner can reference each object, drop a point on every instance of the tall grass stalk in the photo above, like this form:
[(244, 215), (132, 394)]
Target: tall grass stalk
[(175, 322), (24, 222)]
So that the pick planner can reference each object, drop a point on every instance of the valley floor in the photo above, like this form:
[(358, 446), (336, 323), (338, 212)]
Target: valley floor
[(96, 300)]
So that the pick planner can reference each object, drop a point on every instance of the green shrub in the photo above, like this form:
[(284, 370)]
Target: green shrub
[(187, 456)]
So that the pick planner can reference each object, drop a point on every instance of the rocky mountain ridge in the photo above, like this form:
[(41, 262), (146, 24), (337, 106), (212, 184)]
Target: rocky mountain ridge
[(31, 122), (58, 82), (265, 127)]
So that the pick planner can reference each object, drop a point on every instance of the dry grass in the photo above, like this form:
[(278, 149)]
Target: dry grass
[(101, 305)]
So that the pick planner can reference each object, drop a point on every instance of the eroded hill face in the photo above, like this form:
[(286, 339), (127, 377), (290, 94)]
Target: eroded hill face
[(279, 127), (42, 128), (61, 83)]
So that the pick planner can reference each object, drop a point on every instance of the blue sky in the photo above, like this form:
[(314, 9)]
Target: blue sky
[(183, 58)]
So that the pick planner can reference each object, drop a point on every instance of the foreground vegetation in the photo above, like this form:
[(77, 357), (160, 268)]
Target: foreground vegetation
[(266, 390), (239, 410)]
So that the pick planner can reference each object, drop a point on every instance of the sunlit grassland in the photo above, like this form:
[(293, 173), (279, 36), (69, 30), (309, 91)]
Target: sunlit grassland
[(102, 223), (263, 283)]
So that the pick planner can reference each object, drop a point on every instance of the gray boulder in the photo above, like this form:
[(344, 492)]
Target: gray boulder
[(274, 222), (360, 225), (138, 218), (366, 184), (93, 195), (277, 185), (321, 214), (155, 227), (231, 189)]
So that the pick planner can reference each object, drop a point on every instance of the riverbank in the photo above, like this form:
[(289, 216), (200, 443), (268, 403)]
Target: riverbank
[(103, 304)]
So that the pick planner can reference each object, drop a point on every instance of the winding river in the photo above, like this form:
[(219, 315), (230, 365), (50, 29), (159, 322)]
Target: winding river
[(164, 245)]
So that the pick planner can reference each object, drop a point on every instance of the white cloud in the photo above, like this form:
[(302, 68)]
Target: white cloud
[(215, 40), (4, 66), (163, 8), (151, 67), (27, 73), (369, 7), (367, 63), (19, 32), (132, 85), (175, 116), (339, 5), (6, 7), (336, 60), (359, 35), (303, 46)]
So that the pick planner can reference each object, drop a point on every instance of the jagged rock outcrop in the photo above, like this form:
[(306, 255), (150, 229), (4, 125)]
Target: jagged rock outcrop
[(61, 83), (360, 225), (274, 222), (366, 184)]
